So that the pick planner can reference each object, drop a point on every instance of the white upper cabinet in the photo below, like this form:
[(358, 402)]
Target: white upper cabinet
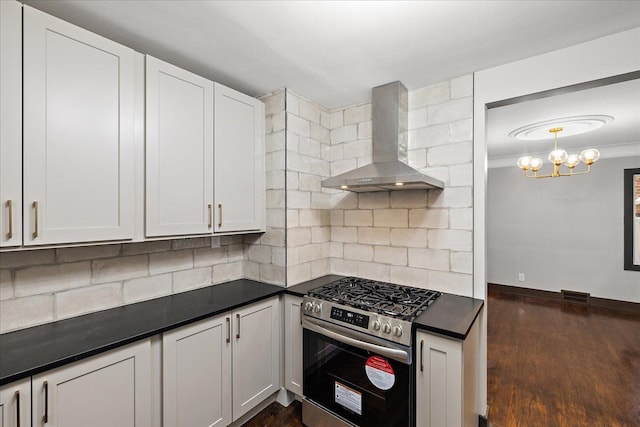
[(78, 134), (10, 123), (179, 151), (239, 161)]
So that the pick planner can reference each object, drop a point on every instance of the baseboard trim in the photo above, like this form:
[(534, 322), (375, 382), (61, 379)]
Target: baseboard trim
[(611, 304)]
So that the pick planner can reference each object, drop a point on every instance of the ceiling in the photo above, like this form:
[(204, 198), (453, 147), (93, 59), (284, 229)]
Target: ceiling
[(334, 52), (619, 137)]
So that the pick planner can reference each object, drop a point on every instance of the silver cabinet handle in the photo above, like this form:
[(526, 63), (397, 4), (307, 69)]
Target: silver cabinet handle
[(421, 355), (238, 332), (228, 330), (35, 207), (220, 215), (10, 232), (392, 353), (210, 214), (17, 395)]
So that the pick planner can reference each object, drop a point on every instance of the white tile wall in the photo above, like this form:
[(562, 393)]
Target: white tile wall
[(308, 219), (40, 286), (265, 253), (416, 238)]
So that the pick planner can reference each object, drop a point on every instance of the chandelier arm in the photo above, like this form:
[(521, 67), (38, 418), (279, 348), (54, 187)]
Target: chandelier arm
[(553, 175), (571, 173)]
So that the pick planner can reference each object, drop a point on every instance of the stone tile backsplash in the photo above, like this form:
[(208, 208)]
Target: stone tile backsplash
[(44, 285), (308, 204), (416, 238), (265, 258)]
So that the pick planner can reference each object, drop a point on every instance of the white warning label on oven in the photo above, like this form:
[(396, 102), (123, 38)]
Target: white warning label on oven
[(349, 398), (380, 372)]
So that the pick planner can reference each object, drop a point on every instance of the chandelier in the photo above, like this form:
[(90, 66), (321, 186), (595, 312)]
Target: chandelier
[(559, 157)]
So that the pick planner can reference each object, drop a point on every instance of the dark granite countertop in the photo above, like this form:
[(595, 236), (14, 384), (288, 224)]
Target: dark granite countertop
[(450, 315), (29, 351), (302, 289)]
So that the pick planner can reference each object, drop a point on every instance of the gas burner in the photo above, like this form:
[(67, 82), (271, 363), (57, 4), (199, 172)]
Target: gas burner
[(397, 301)]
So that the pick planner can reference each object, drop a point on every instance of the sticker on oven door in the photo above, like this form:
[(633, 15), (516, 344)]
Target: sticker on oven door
[(349, 398), (380, 372)]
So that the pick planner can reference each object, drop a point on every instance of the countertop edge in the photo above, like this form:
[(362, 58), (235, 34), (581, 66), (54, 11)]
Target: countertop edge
[(449, 333)]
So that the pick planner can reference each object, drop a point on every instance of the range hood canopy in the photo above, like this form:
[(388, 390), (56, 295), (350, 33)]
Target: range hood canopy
[(389, 170)]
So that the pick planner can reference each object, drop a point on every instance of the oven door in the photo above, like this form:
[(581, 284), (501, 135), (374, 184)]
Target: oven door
[(360, 378)]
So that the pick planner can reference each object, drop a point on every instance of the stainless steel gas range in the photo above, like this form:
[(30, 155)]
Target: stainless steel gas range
[(358, 352)]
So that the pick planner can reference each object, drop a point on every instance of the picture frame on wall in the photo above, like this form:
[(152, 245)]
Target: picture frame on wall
[(632, 219)]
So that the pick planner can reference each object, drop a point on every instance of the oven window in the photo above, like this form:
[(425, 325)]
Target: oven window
[(365, 388)]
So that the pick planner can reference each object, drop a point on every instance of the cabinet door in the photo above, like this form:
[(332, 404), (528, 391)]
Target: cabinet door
[(179, 151), (292, 345), (239, 161), (196, 374), (10, 123), (256, 354), (438, 381), (78, 134), (15, 403), (111, 389)]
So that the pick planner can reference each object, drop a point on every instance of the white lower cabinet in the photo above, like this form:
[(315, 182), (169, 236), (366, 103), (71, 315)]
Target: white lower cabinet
[(216, 370), (196, 374), (15, 404), (446, 384), (292, 345), (256, 354), (110, 389)]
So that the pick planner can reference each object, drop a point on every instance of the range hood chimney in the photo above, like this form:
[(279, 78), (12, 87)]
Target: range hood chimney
[(388, 171)]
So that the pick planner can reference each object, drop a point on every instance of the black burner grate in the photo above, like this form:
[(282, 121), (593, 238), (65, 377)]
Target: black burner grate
[(388, 299)]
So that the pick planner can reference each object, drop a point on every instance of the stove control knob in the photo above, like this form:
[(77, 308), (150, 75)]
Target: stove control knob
[(308, 306), (397, 331), (386, 328), (317, 308), (376, 325)]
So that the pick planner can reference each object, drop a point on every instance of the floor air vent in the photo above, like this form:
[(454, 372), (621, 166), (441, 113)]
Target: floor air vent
[(574, 296)]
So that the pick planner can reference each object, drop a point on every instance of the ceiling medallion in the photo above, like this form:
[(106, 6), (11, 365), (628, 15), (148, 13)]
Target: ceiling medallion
[(574, 125)]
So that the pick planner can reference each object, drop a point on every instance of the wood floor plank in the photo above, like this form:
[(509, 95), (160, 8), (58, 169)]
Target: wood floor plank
[(276, 415)]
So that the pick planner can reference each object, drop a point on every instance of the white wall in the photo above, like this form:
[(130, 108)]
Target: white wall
[(562, 233)]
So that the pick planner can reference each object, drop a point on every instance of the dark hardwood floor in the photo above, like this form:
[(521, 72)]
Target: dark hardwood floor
[(276, 415), (549, 364), (555, 364)]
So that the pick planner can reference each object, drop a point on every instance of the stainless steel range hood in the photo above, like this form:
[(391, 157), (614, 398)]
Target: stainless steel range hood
[(389, 171)]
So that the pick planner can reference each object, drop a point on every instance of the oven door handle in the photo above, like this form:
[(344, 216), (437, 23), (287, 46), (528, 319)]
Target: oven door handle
[(392, 353)]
